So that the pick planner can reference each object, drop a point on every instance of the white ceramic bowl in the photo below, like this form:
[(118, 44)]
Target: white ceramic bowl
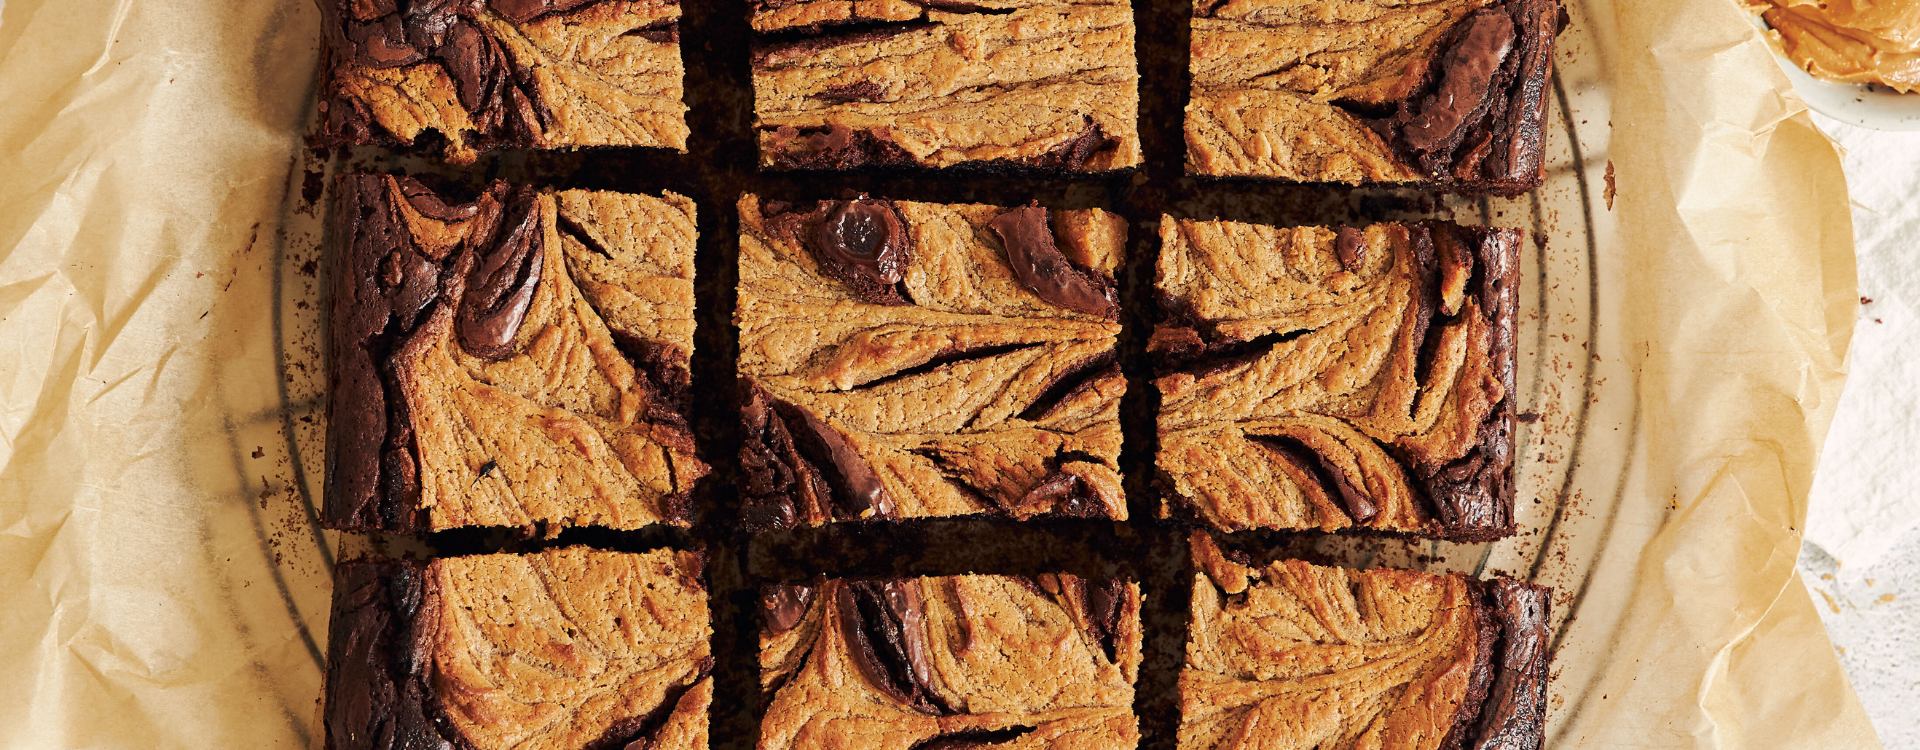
[(1866, 105)]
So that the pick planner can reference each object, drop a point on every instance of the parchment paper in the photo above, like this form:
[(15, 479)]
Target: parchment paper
[(161, 583)]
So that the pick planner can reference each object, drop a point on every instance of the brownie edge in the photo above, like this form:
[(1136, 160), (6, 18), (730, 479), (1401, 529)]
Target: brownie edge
[(375, 696)]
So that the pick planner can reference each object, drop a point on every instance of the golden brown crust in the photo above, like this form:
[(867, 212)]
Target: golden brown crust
[(1309, 656), (1314, 379), (1449, 92), (555, 399), (1004, 660), (980, 396), (564, 649), (598, 73), (1046, 85)]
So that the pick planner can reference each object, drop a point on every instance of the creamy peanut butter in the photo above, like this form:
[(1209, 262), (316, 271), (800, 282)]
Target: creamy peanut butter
[(1855, 41)]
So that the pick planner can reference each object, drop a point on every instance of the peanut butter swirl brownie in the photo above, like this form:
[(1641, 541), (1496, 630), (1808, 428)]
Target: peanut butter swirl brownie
[(1314, 378), (567, 649), (1034, 84), (950, 663), (905, 360), (1451, 93), (516, 359), (1299, 655), (486, 74)]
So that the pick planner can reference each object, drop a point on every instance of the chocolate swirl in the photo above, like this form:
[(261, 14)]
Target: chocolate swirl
[(884, 623), (1040, 266), (500, 288)]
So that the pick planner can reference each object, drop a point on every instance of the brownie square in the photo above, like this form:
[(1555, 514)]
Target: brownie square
[(1048, 85), (1298, 655), (1349, 379), (490, 74), (907, 360), (1452, 94), (958, 662), (514, 359), (557, 650)]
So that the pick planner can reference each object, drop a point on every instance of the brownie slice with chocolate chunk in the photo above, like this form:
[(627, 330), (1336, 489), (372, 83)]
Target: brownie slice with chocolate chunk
[(1297, 655), (906, 360), (1047, 85), (558, 650), (1450, 93), (488, 74), (957, 662), (1314, 378), (517, 358)]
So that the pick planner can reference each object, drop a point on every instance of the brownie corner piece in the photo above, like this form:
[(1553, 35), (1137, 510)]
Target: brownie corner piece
[(1338, 379), (1020, 86), (515, 358), (1451, 94), (479, 75), (1475, 652), (911, 360), (485, 652), (961, 661)]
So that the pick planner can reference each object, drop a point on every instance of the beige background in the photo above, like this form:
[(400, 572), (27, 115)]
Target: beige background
[(157, 563)]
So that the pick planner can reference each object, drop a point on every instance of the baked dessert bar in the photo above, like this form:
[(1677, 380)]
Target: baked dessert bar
[(905, 360), (1032, 84), (563, 649), (960, 662), (1451, 93), (1332, 379), (1298, 655), (516, 359), (487, 74)]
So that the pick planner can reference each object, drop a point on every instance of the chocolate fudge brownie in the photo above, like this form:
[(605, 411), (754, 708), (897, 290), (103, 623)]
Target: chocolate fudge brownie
[(1045, 85), (905, 360), (563, 649), (516, 359), (1451, 93), (948, 663), (1299, 655), (487, 74), (1314, 378)]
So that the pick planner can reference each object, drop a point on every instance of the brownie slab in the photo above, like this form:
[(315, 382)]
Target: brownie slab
[(489, 74), (908, 360), (517, 359), (559, 650), (1046, 85), (958, 662), (1451, 93), (1299, 655), (1314, 378)]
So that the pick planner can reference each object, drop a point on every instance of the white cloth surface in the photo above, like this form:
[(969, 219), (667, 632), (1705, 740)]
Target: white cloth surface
[(1862, 554)]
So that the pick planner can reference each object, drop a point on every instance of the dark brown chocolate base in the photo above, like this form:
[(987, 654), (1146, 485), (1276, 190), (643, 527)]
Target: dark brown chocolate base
[(377, 697), (1472, 498)]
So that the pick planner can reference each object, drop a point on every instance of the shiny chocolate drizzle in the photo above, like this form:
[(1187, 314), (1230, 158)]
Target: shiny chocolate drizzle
[(1040, 266), (784, 605), (501, 286), (863, 243), (884, 623)]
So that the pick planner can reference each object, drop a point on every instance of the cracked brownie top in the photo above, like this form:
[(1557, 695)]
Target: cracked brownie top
[(1030, 84), (1297, 655), (1313, 378), (516, 359), (906, 360), (1450, 92), (486, 74), (558, 650), (966, 661)]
